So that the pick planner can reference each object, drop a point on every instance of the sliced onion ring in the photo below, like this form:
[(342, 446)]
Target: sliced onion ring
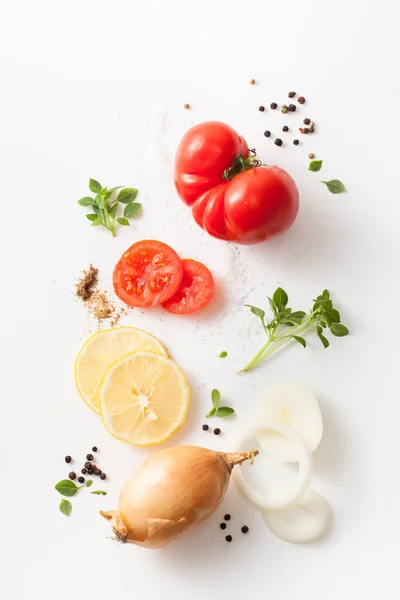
[(303, 478), (319, 509)]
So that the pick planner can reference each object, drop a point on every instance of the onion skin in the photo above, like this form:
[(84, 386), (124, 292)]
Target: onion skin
[(171, 493)]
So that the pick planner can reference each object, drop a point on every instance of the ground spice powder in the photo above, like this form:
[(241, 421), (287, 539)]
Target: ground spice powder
[(96, 301)]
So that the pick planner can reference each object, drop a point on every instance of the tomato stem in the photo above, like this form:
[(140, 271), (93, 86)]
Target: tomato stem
[(241, 164)]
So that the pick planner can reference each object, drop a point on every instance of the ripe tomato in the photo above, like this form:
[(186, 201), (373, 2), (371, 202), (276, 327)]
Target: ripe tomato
[(250, 203), (148, 273), (196, 290)]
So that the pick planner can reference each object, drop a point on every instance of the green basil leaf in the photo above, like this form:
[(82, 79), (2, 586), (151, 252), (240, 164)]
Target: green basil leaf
[(127, 195), (325, 295), (332, 316), (94, 186), (297, 316), (335, 186), (211, 413), (97, 209), (98, 221), (132, 209), (99, 492), (66, 487), (315, 166), (224, 411), (299, 339), (280, 298), (272, 305), (114, 189), (91, 217), (339, 330), (86, 201), (89, 482), (257, 311), (223, 354), (98, 199), (123, 221), (113, 209), (323, 339), (216, 398), (65, 507)]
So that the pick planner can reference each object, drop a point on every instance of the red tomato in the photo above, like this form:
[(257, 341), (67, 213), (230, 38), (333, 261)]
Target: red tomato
[(254, 205), (196, 290), (148, 273)]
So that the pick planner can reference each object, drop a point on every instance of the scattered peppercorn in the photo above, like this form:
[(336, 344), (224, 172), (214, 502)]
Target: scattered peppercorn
[(274, 105), (307, 121), (83, 471), (284, 109), (261, 108), (278, 142), (81, 479), (68, 459), (245, 529), (88, 465), (296, 142), (228, 538), (186, 105), (312, 129), (252, 81), (292, 107), (217, 431), (89, 456), (90, 471), (306, 130), (72, 475), (97, 471), (267, 133), (285, 128), (103, 476), (94, 449), (223, 525), (205, 427), (227, 517), (291, 94), (301, 100), (311, 155)]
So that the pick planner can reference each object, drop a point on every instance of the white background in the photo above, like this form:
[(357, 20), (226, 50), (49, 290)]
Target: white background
[(96, 89)]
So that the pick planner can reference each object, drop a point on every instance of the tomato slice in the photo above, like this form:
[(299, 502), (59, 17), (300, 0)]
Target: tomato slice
[(196, 290), (148, 273)]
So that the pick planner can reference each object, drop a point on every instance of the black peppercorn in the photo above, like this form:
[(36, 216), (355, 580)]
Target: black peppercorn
[(83, 471), (228, 538), (261, 108), (89, 456), (274, 105), (68, 459), (94, 449), (285, 128), (88, 465), (103, 476), (291, 94), (227, 517), (278, 142), (301, 100), (90, 471), (296, 142), (217, 431), (205, 427), (72, 475), (245, 529), (306, 130), (81, 479), (267, 133), (223, 525), (292, 107), (307, 121)]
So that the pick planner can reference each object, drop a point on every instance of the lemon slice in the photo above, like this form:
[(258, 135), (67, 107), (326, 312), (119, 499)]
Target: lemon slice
[(144, 398), (101, 350)]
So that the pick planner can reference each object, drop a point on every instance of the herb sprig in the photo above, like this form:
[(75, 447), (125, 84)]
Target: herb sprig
[(287, 325), (217, 410), (105, 205)]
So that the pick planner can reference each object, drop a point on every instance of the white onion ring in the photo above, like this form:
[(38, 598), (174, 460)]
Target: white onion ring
[(319, 509), (303, 477)]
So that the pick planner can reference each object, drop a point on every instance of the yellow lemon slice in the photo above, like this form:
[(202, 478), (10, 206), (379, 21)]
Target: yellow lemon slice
[(144, 398), (101, 350)]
